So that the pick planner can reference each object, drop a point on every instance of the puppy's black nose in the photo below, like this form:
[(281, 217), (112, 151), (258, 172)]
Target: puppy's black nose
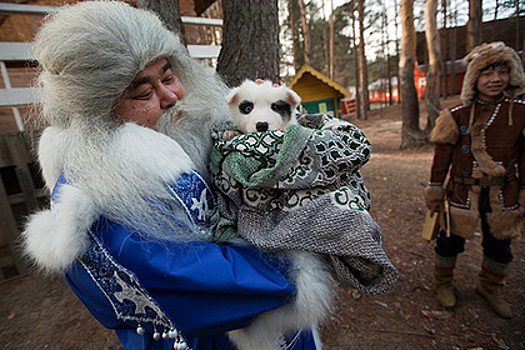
[(261, 126)]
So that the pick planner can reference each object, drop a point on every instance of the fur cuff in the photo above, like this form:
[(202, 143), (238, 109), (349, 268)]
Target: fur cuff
[(434, 193), (446, 129), (54, 238)]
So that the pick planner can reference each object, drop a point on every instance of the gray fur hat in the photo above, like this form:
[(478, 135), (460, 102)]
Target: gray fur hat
[(90, 52), (484, 55)]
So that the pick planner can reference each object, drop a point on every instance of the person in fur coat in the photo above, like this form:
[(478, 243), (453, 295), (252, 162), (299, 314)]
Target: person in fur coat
[(124, 154), (480, 146)]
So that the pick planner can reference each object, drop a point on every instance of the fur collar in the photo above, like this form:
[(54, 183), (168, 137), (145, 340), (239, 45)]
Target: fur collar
[(54, 238)]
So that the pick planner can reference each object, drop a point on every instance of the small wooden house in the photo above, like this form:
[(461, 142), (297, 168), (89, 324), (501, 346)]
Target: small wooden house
[(318, 93)]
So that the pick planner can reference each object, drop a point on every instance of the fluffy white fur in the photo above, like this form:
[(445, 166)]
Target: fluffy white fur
[(119, 179), (56, 237), (311, 305), (262, 94)]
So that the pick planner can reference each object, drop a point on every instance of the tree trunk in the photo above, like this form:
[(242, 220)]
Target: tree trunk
[(518, 31), (365, 102), (169, 13), (434, 53), (474, 24), (411, 135), (453, 46), (443, 60), (356, 67), (388, 58), (332, 40), (326, 47), (292, 27), (306, 33), (398, 54), (250, 49)]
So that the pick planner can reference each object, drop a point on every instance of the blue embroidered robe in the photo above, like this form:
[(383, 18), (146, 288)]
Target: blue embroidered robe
[(199, 288)]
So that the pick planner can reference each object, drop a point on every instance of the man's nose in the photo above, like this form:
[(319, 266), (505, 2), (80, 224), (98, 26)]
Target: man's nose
[(167, 97), (496, 77)]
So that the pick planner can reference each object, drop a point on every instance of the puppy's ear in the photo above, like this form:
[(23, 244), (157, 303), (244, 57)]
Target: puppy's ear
[(233, 97), (292, 98)]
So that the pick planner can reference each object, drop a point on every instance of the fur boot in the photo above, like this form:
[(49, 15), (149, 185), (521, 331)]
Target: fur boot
[(491, 282), (443, 276)]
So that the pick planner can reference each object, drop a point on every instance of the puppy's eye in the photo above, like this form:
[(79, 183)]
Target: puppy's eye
[(246, 107), (280, 106)]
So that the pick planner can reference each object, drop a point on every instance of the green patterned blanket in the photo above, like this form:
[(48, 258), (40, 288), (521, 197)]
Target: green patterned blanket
[(301, 189)]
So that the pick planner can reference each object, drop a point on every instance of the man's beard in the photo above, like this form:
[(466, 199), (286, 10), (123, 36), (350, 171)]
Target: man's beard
[(193, 129)]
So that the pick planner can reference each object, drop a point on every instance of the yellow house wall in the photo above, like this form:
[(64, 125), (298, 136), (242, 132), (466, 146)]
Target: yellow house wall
[(311, 89)]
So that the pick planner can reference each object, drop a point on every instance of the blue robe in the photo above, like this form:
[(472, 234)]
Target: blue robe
[(200, 289)]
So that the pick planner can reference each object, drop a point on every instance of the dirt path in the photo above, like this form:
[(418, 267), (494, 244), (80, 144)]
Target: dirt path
[(40, 312)]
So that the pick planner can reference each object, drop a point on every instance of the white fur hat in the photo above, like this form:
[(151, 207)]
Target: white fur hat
[(484, 55), (90, 52)]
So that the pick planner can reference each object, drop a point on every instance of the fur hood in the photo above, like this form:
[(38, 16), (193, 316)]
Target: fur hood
[(482, 56), (55, 237)]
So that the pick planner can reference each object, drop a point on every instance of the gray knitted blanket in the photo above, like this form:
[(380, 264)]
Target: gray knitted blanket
[(301, 189)]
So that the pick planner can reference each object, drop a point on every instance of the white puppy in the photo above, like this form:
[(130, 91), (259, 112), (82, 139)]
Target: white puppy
[(257, 106)]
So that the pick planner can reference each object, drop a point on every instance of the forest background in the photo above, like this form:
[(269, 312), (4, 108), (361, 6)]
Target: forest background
[(357, 42), (361, 41)]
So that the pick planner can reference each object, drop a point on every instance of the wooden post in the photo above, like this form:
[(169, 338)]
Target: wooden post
[(8, 226), (16, 149)]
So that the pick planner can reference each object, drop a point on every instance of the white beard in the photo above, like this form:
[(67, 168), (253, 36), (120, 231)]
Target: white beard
[(193, 130)]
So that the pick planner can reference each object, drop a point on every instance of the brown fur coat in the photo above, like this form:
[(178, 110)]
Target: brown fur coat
[(490, 149)]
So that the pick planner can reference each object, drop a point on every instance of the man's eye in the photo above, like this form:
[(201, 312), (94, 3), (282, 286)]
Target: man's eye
[(168, 80), (246, 107), (144, 95)]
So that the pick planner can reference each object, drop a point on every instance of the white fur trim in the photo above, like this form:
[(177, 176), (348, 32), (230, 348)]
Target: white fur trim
[(130, 149), (55, 238), (50, 155), (134, 144), (311, 305)]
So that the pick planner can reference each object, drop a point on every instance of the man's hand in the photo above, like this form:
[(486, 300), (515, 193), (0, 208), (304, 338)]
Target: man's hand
[(433, 206), (227, 135)]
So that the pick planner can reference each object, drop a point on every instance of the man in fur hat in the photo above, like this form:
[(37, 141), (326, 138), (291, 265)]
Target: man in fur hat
[(131, 213), (480, 145)]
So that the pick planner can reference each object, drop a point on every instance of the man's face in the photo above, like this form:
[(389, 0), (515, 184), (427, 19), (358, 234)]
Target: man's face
[(153, 91), (492, 82)]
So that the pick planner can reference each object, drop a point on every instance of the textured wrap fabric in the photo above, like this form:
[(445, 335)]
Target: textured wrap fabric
[(301, 189)]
